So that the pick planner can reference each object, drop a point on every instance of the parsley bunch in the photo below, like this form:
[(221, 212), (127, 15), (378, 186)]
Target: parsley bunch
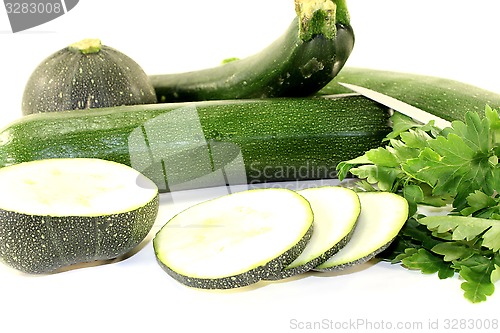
[(451, 179)]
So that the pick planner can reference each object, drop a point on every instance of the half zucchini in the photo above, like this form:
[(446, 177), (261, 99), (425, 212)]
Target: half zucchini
[(59, 212)]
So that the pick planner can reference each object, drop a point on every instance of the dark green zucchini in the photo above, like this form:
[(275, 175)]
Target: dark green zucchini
[(304, 59), (192, 145), (86, 75), (445, 98)]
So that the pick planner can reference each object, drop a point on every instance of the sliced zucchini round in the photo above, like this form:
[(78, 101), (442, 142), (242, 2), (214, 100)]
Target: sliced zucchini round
[(59, 212), (336, 210), (382, 216), (235, 240)]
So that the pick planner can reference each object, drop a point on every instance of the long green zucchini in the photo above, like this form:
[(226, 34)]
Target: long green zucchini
[(299, 63), (201, 144), (448, 99)]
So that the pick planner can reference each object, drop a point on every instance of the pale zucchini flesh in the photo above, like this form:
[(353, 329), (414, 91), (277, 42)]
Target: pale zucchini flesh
[(336, 210), (73, 187), (235, 240), (382, 216)]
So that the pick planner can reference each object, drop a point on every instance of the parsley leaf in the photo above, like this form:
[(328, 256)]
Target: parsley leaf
[(477, 286), (453, 251), (467, 228), (481, 205), (459, 163), (461, 227), (427, 263), (477, 272), (457, 167), (495, 275)]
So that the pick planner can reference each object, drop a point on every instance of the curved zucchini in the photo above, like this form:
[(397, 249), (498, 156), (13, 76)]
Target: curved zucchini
[(86, 75), (211, 143), (336, 210), (59, 212), (304, 59), (442, 97), (235, 240), (382, 216)]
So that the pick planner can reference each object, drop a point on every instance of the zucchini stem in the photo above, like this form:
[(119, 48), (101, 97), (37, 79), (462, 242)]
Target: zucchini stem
[(316, 17), (87, 46), (319, 17), (342, 15)]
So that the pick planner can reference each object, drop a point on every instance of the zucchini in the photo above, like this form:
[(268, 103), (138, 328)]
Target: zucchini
[(442, 97), (211, 143), (59, 212), (235, 240), (336, 210), (305, 58), (382, 216), (86, 75)]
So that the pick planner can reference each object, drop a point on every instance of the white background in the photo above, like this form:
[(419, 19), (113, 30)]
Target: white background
[(451, 38)]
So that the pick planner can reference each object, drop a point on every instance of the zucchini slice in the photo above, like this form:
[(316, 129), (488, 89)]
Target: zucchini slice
[(382, 216), (336, 210), (235, 240), (59, 212)]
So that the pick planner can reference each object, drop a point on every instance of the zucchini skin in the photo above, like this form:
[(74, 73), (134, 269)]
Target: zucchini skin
[(289, 67), (243, 279), (71, 239), (180, 145), (448, 99)]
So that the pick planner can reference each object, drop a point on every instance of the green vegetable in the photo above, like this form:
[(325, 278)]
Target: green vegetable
[(336, 210), (192, 145), (272, 234), (235, 240), (299, 63), (382, 216), (456, 169), (59, 212), (442, 97), (86, 75)]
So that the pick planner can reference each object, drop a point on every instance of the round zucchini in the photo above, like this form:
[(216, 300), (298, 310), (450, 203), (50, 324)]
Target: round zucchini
[(235, 240), (59, 212), (86, 75)]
